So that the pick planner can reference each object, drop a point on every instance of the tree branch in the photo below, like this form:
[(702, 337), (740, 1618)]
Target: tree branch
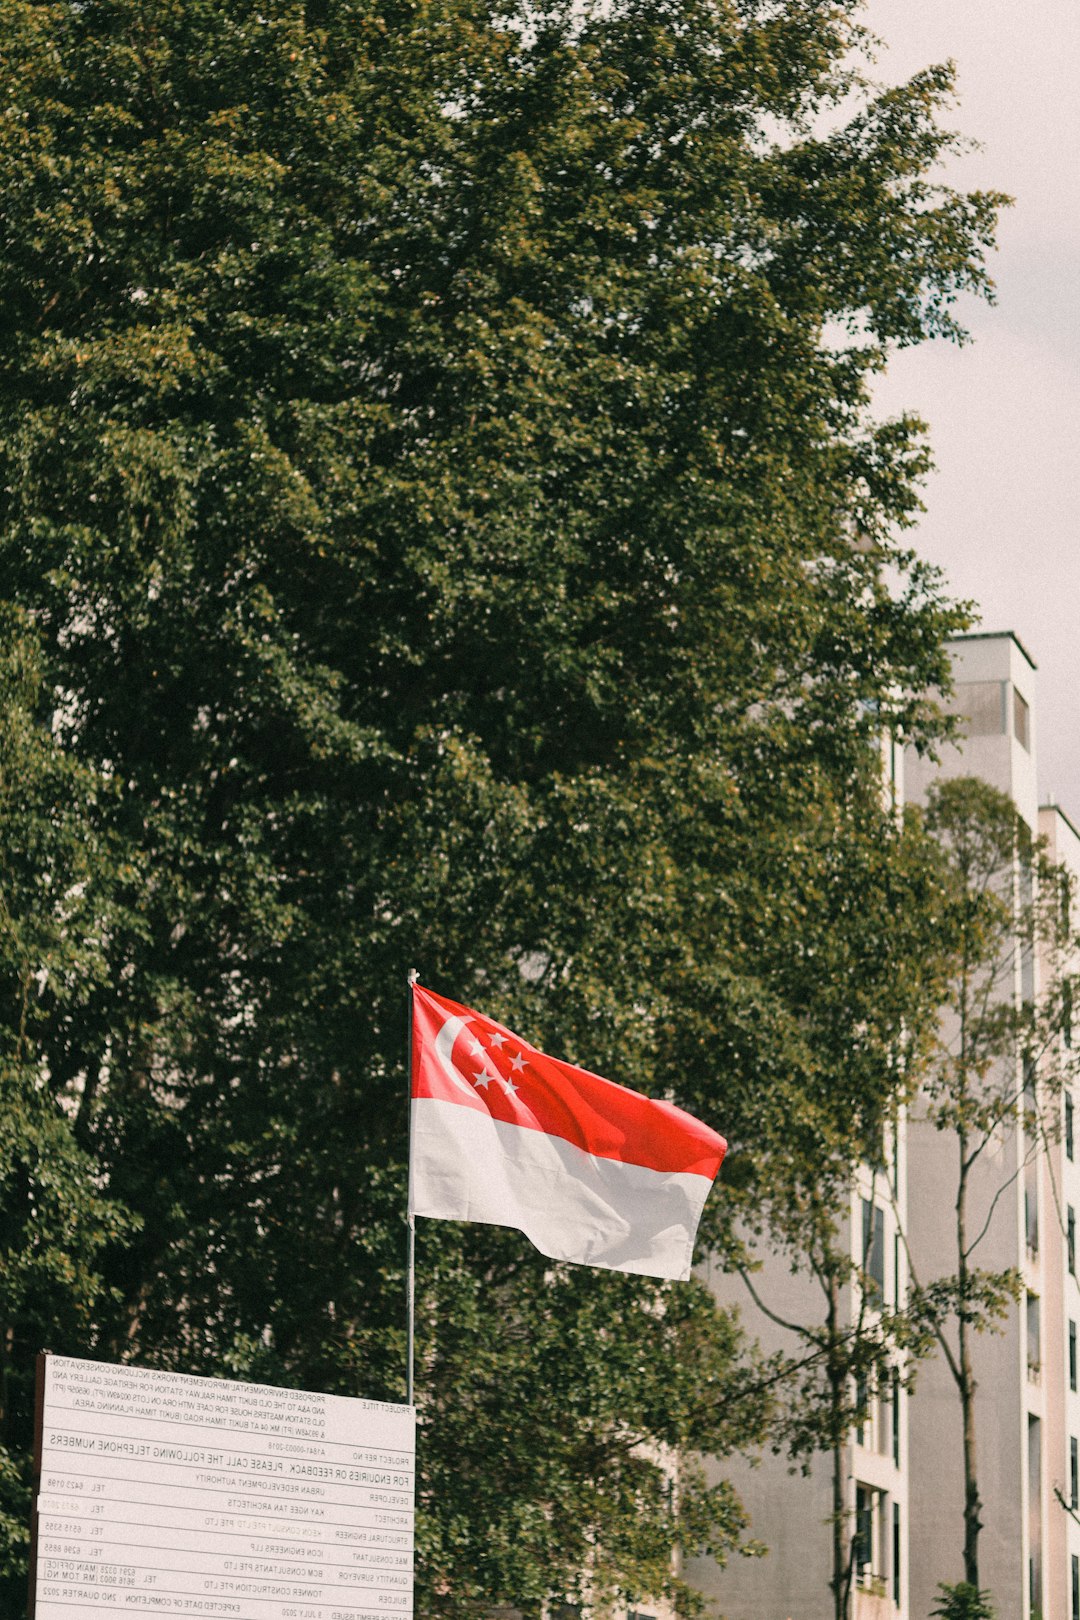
[(799, 1329)]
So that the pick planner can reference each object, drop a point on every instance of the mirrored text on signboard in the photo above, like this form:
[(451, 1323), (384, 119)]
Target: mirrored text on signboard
[(166, 1494)]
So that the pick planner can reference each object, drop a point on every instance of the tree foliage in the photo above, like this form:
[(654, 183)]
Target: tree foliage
[(55, 1220), (437, 476), (992, 1078), (862, 992), (963, 1602)]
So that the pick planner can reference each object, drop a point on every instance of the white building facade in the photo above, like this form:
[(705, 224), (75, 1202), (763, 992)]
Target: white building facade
[(1057, 1213), (903, 1474), (996, 696)]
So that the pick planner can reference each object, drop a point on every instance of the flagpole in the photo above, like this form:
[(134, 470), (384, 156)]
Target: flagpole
[(410, 1264)]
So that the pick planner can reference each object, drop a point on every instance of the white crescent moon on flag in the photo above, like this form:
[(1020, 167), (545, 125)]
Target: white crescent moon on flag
[(444, 1046)]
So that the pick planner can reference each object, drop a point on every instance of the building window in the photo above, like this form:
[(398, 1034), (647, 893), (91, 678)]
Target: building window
[(1034, 1337), (1074, 1474), (1067, 1012), (864, 1534), (896, 1554), (983, 705), (1068, 1126), (1031, 1209), (873, 1558), (896, 1418), (1070, 1237), (1035, 1512), (862, 1411), (896, 1275), (1025, 896), (1074, 1567), (885, 1415), (1072, 1355), (873, 1245), (1021, 721)]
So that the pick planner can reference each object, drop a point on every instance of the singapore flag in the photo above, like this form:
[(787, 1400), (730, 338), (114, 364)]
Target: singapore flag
[(589, 1171)]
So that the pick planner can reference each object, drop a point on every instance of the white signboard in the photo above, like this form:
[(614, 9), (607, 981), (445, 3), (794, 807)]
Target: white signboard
[(164, 1494)]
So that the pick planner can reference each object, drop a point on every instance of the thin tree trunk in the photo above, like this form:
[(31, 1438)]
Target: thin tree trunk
[(837, 1375), (966, 1385), (837, 1582)]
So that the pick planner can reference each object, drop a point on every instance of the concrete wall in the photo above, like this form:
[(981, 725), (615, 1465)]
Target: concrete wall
[(990, 671), (934, 1419), (1059, 1190), (789, 1513), (999, 758)]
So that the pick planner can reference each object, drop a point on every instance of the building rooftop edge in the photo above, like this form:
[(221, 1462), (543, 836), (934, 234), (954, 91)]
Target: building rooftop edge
[(996, 635), (1067, 819)]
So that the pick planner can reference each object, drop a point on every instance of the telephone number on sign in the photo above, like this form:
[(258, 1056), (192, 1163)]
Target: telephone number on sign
[(67, 1569)]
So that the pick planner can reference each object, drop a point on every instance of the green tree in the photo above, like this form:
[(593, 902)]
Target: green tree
[(868, 980), (591, 1391), (435, 454), (56, 1217), (993, 1075), (962, 1602)]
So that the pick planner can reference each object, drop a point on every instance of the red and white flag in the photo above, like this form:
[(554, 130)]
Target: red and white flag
[(589, 1171)]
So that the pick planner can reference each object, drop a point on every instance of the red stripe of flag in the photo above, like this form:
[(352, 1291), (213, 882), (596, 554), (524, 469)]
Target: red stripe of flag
[(461, 1056)]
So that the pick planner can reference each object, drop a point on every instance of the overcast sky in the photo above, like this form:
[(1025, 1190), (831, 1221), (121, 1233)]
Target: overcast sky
[(1003, 508)]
